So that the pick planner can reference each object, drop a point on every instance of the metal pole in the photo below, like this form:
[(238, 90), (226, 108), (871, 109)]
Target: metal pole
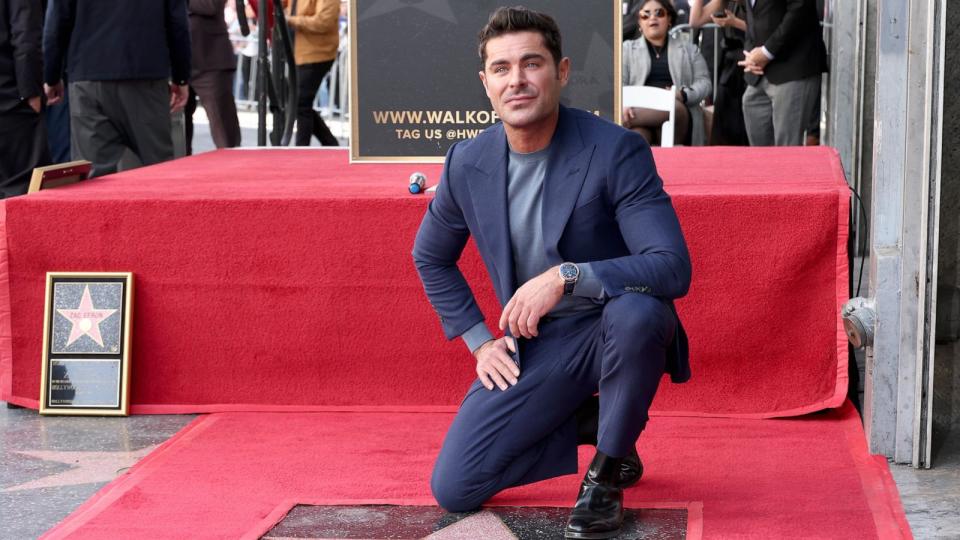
[(262, 72), (716, 49)]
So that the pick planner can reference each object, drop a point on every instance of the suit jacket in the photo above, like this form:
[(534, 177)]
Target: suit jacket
[(107, 40), (790, 30), (317, 25), (688, 70), (21, 56), (209, 41), (603, 203)]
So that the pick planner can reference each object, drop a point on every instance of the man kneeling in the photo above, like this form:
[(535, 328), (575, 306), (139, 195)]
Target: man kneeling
[(586, 255)]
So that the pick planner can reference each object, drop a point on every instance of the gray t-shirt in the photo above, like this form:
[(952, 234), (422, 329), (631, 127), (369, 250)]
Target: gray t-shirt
[(525, 177)]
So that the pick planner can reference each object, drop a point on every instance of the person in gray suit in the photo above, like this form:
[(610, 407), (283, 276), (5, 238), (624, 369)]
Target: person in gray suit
[(214, 66), (784, 59), (654, 59)]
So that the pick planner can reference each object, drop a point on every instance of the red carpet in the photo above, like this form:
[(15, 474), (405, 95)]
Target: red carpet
[(280, 279), (233, 475)]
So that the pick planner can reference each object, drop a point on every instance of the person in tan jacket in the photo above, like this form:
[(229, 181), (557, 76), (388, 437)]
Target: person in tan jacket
[(316, 39)]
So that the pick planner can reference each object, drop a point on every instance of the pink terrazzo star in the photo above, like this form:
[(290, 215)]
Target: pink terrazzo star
[(481, 525), (89, 467), (86, 319)]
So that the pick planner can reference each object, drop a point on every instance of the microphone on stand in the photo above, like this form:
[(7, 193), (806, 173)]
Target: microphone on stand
[(418, 182)]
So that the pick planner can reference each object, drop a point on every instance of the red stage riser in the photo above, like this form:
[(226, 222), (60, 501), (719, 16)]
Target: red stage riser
[(278, 278)]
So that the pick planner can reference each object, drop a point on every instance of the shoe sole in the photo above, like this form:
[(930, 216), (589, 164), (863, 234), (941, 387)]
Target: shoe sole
[(591, 536)]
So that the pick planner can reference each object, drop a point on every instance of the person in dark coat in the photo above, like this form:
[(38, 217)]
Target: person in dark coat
[(128, 64), (23, 137), (728, 128), (784, 59), (211, 80)]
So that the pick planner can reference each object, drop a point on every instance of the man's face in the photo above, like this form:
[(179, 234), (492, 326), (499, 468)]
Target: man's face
[(522, 80)]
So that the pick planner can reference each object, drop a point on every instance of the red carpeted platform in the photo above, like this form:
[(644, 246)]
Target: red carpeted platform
[(738, 478), (282, 280)]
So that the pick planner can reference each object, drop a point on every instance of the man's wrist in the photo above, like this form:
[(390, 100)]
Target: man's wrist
[(476, 336), (569, 273), (484, 345)]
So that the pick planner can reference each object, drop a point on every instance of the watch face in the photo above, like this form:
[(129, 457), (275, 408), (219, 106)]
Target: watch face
[(569, 271)]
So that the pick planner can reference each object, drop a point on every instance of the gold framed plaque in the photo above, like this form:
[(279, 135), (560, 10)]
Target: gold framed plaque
[(86, 343), (61, 174)]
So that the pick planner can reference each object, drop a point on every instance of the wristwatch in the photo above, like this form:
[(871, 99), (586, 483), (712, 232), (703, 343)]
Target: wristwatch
[(569, 273)]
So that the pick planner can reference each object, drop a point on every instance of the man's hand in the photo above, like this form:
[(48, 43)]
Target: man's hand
[(628, 115), (494, 364), (54, 93), (754, 61), (34, 104), (532, 301), (178, 96)]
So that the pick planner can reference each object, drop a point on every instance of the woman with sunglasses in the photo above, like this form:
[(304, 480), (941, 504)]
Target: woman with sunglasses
[(654, 59)]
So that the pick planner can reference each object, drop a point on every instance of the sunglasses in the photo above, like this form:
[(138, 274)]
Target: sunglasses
[(658, 13)]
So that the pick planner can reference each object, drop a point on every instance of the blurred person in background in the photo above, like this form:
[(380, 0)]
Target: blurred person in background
[(728, 128), (57, 119), (214, 67), (784, 57), (317, 38), (128, 64), (655, 60), (23, 137), (245, 47)]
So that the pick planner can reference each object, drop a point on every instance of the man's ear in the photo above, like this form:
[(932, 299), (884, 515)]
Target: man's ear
[(563, 70), (483, 79)]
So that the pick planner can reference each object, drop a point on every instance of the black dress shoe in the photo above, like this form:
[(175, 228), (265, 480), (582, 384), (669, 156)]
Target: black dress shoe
[(631, 469), (598, 512), (588, 422)]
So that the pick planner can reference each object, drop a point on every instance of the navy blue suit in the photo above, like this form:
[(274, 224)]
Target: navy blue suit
[(603, 203)]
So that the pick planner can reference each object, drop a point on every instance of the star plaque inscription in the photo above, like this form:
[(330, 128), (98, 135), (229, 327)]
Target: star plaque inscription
[(86, 344)]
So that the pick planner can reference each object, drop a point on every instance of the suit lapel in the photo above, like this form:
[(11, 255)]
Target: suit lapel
[(488, 191), (566, 170)]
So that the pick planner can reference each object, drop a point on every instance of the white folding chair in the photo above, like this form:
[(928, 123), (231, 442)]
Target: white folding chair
[(659, 99)]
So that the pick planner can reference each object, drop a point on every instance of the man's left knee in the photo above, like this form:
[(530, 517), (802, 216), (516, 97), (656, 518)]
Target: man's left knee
[(640, 317)]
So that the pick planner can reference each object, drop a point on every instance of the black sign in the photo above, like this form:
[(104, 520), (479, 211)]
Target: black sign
[(416, 88), (86, 344)]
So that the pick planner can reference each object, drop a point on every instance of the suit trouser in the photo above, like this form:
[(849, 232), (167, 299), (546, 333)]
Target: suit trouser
[(215, 90), (23, 147), (309, 123), (778, 114), (500, 439), (107, 117), (57, 118)]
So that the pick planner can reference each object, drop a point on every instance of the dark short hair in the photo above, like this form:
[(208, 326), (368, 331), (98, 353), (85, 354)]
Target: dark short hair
[(509, 20), (667, 6)]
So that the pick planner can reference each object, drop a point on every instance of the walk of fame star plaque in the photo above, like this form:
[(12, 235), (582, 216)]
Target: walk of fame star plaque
[(86, 343)]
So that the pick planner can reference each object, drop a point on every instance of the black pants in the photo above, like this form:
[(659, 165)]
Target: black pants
[(215, 91), (309, 122), (58, 129), (108, 117), (23, 146)]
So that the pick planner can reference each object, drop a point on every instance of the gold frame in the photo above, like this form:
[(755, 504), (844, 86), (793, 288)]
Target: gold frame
[(354, 106), (123, 356), (61, 174)]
